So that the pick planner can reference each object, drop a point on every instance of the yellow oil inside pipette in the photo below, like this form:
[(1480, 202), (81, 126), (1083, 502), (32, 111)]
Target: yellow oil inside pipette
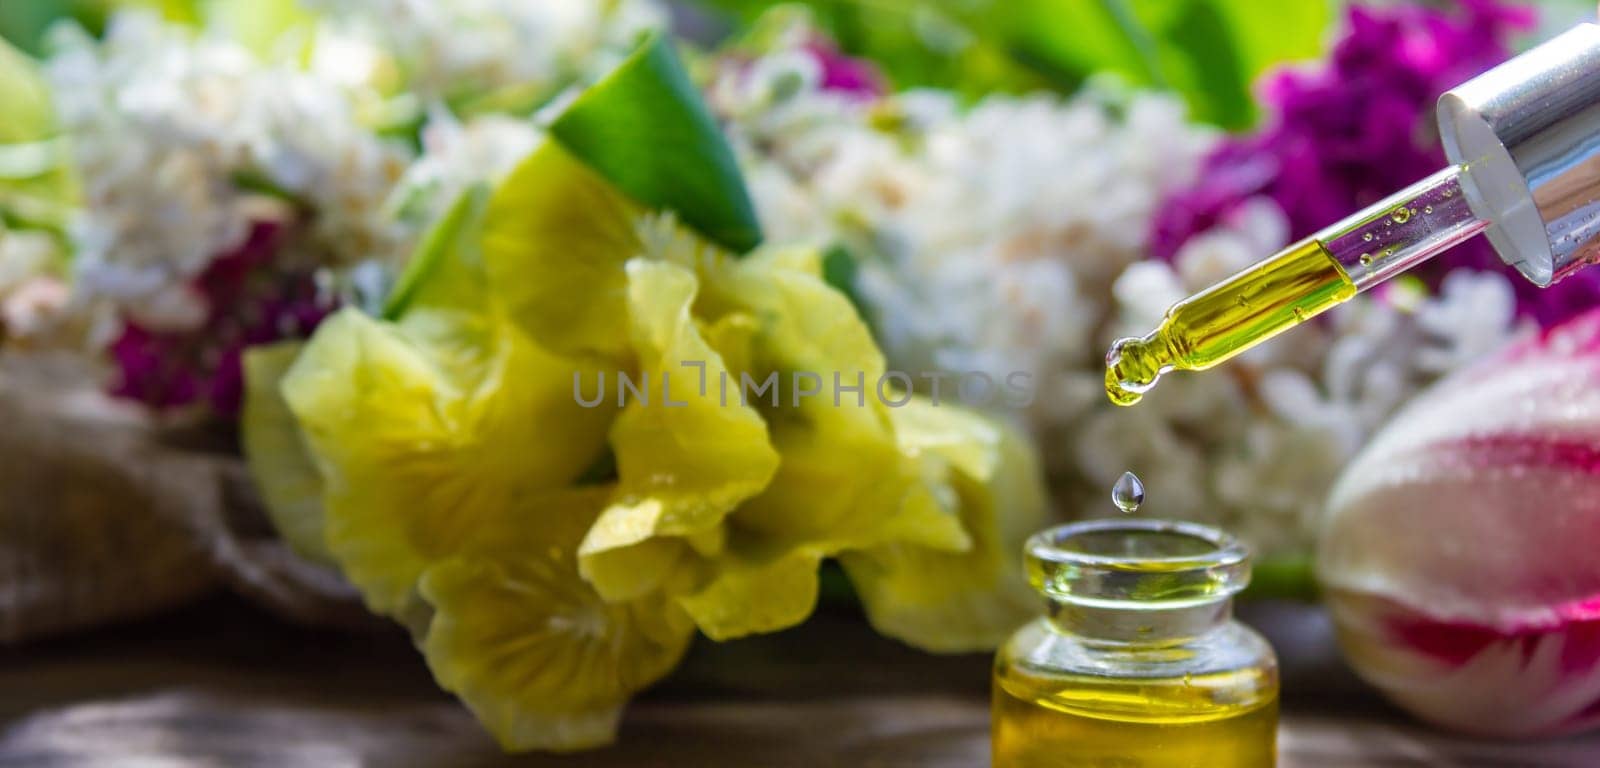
[(1296, 284)]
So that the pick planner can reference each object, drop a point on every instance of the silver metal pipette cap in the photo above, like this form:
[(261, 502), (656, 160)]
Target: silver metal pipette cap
[(1528, 132)]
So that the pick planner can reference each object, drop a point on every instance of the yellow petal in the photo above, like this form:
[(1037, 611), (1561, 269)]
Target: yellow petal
[(841, 487), (690, 447), (947, 601), (843, 481), (733, 337), (970, 443), (555, 239), (809, 325), (289, 482), (686, 454), (626, 571), (415, 454), (529, 647), (754, 592)]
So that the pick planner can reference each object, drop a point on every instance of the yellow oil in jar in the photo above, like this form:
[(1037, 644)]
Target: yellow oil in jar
[(1271, 297), (1226, 720)]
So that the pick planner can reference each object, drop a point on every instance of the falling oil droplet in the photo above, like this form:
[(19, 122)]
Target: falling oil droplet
[(1128, 493), (1427, 209), (1366, 258), (1367, 237), (1401, 215)]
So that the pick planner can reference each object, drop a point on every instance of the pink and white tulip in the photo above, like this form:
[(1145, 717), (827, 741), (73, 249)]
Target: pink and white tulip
[(1461, 550)]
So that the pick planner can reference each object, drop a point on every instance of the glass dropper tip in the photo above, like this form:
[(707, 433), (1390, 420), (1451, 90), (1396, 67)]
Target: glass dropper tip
[(1133, 366)]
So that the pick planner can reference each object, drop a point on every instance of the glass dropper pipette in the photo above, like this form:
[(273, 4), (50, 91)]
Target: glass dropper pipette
[(1523, 141), (1296, 284)]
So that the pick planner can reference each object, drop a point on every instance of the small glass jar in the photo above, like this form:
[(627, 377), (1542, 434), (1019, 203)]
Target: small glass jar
[(1139, 661)]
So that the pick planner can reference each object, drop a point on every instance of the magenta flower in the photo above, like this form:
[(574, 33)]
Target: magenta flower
[(249, 300), (1348, 132), (1458, 554), (845, 74)]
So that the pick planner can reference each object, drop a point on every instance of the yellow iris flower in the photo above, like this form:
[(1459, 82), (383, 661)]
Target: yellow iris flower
[(554, 558)]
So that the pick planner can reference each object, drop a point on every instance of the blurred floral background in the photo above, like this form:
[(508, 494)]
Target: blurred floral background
[(348, 254)]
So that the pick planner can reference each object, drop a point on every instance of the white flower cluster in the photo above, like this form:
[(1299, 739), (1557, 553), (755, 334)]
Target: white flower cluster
[(460, 48), (457, 154), (1011, 236), (171, 130), (29, 289), (24, 256)]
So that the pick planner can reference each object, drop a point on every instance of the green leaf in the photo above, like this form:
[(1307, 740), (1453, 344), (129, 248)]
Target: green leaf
[(840, 270), (263, 26), (1209, 51), (442, 298), (182, 11), (24, 100), (1286, 577), (645, 129), (36, 180), (1218, 70), (941, 43), (447, 268), (25, 22)]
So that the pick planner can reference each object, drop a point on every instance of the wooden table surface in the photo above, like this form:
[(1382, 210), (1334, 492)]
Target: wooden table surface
[(221, 684)]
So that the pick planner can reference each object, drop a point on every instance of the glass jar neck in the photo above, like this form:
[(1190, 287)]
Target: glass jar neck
[(1132, 624)]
